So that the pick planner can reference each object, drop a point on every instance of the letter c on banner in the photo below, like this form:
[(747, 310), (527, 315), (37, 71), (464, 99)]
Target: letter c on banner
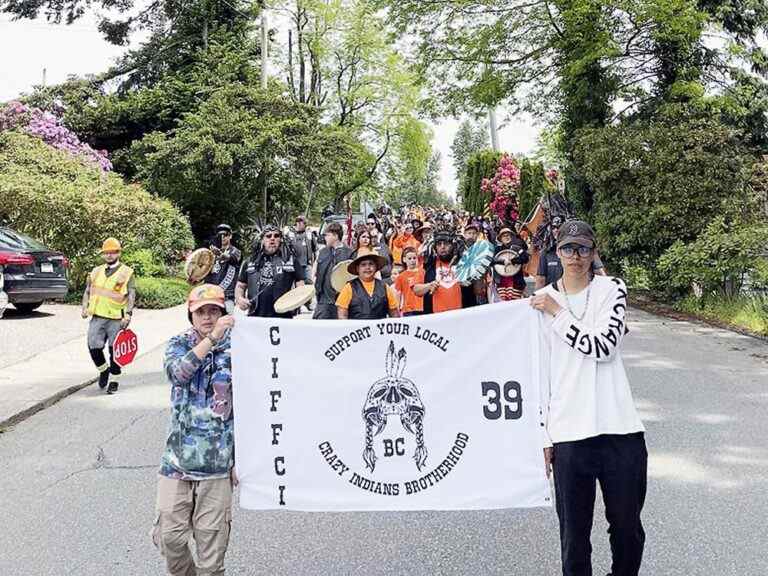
[(274, 335), (280, 465)]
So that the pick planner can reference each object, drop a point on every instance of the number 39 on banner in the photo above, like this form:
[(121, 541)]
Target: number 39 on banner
[(506, 400)]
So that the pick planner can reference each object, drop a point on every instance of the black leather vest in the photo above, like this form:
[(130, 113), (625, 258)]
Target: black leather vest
[(365, 307)]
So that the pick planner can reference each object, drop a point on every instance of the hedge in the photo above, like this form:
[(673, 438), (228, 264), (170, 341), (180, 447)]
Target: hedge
[(158, 293), (72, 207), (480, 165)]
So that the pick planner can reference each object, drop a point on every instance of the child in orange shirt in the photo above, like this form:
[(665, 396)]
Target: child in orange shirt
[(410, 303)]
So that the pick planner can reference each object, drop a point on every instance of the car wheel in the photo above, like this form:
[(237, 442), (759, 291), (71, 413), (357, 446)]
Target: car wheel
[(27, 307)]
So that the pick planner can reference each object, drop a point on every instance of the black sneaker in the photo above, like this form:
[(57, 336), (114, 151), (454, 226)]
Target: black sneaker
[(112, 388), (103, 379)]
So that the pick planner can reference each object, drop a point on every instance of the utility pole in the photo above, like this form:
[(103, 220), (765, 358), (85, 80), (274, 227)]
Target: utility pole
[(205, 25), (494, 128), (264, 44), (44, 75), (264, 61)]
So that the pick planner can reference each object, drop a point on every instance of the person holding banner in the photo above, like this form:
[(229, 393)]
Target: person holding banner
[(366, 297), (194, 491), (593, 432), (109, 297)]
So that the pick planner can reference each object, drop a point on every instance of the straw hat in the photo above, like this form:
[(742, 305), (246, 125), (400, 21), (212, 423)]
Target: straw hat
[(364, 254)]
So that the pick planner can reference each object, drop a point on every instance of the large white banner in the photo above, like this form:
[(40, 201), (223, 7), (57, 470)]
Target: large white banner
[(436, 412)]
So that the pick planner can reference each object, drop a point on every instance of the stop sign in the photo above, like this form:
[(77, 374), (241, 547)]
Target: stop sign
[(125, 347)]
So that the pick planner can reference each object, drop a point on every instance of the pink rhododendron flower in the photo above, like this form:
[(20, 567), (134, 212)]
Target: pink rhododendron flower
[(51, 130)]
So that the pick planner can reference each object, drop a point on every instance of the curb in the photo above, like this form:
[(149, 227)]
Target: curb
[(41, 405)]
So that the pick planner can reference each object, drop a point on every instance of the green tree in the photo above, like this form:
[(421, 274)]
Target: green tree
[(480, 165), (663, 180), (471, 137), (240, 144)]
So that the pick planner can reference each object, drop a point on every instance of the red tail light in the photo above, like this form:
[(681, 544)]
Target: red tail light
[(11, 258)]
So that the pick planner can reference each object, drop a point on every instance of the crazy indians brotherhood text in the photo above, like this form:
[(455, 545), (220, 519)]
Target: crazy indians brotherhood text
[(392, 447), (353, 415)]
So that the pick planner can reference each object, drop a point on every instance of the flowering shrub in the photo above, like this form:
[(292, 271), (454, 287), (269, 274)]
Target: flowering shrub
[(71, 205), (552, 176), (51, 130), (503, 189)]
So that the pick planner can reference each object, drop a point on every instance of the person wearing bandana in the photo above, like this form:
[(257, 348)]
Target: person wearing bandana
[(270, 272), (226, 264), (441, 290)]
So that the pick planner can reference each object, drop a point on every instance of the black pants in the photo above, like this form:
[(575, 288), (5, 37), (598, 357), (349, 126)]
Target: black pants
[(97, 355), (619, 463), (325, 312)]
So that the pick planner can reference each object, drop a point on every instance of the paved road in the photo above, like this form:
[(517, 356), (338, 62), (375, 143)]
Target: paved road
[(22, 336), (78, 483)]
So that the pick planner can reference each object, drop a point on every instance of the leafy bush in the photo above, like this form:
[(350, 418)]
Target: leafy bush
[(750, 312), (144, 263), (636, 277), (156, 293), (719, 260), (662, 180), (72, 207)]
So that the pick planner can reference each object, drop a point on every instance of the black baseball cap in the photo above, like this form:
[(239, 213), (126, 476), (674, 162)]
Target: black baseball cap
[(224, 228), (576, 232)]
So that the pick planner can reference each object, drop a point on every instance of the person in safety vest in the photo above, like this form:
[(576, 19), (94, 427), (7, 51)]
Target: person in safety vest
[(110, 294), (366, 297)]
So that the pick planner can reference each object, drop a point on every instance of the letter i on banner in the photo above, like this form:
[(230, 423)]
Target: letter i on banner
[(276, 427)]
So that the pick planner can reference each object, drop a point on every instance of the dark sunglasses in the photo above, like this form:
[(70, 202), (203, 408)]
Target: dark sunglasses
[(272, 236)]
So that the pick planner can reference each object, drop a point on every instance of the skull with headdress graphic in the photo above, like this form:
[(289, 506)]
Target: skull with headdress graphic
[(394, 395)]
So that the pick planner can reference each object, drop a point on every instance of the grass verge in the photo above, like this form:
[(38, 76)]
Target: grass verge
[(747, 312)]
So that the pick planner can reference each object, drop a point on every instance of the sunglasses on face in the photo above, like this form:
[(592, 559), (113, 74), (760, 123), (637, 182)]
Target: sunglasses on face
[(272, 236), (570, 251)]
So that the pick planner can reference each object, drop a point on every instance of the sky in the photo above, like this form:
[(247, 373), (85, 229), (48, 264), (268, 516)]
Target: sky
[(31, 47)]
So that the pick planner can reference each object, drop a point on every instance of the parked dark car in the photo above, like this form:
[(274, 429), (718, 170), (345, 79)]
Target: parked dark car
[(29, 272)]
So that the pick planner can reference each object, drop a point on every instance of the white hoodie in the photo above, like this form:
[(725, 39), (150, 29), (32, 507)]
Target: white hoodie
[(584, 387)]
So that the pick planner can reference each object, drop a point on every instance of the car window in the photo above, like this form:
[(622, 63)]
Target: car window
[(16, 241)]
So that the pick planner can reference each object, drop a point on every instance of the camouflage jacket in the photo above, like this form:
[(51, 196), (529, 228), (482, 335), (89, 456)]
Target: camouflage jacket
[(200, 444)]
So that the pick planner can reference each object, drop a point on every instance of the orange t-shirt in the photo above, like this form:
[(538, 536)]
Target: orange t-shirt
[(448, 293), (345, 296), (400, 243), (404, 284)]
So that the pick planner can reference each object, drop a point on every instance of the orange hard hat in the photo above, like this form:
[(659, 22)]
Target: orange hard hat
[(111, 245)]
